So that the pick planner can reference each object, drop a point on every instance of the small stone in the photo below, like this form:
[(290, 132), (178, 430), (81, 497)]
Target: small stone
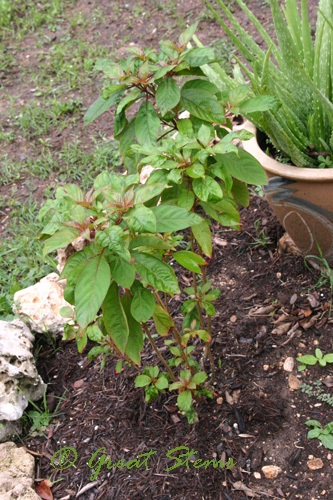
[(41, 303), (266, 367), (278, 275), (233, 319), (257, 475), (329, 457), (271, 471), (289, 364), (294, 383), (219, 401), (315, 464)]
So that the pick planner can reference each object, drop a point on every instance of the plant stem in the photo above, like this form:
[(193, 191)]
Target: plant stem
[(159, 355), (208, 351)]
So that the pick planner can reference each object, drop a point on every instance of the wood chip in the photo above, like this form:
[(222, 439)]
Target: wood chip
[(315, 464), (78, 383), (328, 381), (242, 487), (262, 311), (281, 329), (293, 299), (271, 471)]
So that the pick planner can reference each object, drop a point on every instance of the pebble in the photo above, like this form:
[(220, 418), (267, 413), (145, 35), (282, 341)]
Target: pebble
[(219, 401), (257, 475), (271, 471), (289, 364), (315, 464), (233, 319)]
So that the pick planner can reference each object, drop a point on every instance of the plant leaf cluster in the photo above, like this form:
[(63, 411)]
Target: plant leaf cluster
[(121, 281), (296, 70)]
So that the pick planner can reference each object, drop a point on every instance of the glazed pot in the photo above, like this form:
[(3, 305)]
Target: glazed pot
[(301, 198)]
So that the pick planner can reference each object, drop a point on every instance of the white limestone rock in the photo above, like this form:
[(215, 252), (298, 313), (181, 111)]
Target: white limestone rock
[(19, 379), (17, 472), (40, 304)]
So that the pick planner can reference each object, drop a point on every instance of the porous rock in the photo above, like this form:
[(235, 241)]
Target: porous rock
[(19, 379), (17, 470), (271, 471), (40, 305)]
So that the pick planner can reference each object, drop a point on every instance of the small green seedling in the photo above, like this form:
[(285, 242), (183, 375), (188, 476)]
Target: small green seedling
[(324, 434), (308, 359)]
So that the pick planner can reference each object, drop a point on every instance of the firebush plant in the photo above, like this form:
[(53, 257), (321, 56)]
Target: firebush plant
[(122, 282)]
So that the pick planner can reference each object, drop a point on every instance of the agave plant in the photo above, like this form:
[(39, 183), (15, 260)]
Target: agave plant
[(297, 70)]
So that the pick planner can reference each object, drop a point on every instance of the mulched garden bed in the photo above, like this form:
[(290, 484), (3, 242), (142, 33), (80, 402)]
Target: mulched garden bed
[(256, 417)]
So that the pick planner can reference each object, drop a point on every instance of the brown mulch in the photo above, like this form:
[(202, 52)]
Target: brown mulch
[(260, 420)]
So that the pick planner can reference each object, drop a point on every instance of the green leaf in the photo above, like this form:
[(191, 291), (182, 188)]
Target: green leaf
[(311, 423), (308, 359), (143, 303), (186, 36), (199, 377), (190, 261), (113, 238), (141, 220), (322, 362), (327, 441), (66, 312), (142, 381), (147, 124), (195, 171), (162, 383), (114, 317), (122, 272), (81, 341), (203, 236), (314, 433), (91, 288), (148, 241), (328, 358), (199, 57), (245, 168), (318, 353), (210, 309), (170, 218), (94, 333), (200, 85), (76, 259), (186, 200), (146, 193), (175, 385), (203, 335), (238, 94), (240, 193), (259, 103), (133, 96), (184, 401), (207, 189), (135, 338), (188, 306), (119, 366), (167, 95), (156, 273), (101, 105), (162, 319), (202, 105), (60, 239), (204, 134)]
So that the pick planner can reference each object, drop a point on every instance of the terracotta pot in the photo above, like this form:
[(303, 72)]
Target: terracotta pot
[(301, 198)]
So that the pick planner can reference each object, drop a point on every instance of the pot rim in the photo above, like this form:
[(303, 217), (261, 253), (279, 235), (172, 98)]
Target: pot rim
[(281, 169)]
